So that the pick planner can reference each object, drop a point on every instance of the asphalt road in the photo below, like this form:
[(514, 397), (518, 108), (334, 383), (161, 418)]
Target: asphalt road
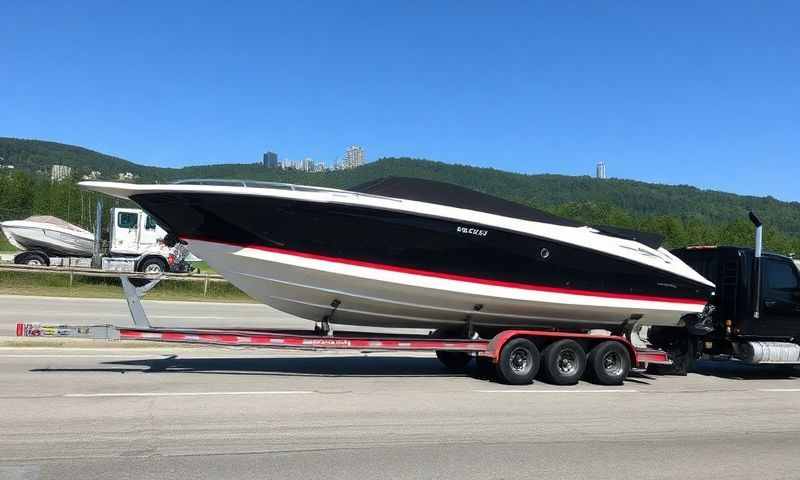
[(99, 311), (216, 413), (224, 413)]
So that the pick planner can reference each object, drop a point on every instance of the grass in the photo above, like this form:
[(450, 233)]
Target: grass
[(57, 285), (203, 267), (5, 246)]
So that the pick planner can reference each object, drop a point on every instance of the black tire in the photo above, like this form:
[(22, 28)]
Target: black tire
[(608, 363), (151, 264), (681, 347), (453, 360), (519, 362), (563, 362), (485, 367), (32, 259)]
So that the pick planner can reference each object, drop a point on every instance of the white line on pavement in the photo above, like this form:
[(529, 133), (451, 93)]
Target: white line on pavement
[(565, 390), (184, 394), (779, 389)]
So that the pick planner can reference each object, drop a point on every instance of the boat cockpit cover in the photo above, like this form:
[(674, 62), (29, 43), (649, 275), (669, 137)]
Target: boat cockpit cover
[(431, 191), (56, 221)]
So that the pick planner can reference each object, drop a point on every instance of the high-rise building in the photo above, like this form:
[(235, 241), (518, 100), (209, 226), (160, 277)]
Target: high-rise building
[(270, 160), (59, 172), (601, 170), (353, 157)]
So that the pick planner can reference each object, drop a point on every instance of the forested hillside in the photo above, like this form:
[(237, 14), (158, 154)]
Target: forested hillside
[(684, 214)]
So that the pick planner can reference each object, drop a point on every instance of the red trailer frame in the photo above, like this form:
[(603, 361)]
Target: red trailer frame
[(358, 341), (514, 353)]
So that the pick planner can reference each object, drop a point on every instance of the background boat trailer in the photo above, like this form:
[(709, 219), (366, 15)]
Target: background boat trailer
[(515, 355)]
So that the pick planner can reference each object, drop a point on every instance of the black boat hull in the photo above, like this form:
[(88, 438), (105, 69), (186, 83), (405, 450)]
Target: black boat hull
[(395, 269)]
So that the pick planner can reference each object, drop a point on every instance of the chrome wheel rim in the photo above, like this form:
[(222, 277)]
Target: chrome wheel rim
[(520, 361), (612, 364), (35, 262), (153, 268), (567, 362)]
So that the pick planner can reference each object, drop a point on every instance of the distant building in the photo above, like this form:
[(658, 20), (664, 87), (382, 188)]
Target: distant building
[(7, 167), (125, 176), (93, 175), (287, 164), (270, 160), (59, 172), (353, 157), (601, 170)]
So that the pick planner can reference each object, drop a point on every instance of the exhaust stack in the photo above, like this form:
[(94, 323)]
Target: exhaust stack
[(757, 265)]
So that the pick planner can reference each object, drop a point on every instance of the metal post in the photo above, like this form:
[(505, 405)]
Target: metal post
[(205, 286), (98, 224)]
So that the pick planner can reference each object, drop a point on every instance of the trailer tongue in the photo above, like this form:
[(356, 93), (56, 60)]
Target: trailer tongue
[(514, 354)]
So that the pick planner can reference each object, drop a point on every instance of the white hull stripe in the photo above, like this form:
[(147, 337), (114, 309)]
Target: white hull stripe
[(453, 283)]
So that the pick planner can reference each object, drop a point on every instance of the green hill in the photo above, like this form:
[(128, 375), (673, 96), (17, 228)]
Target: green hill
[(683, 213)]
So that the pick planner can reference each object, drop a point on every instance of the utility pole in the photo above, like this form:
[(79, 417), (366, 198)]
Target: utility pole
[(98, 223)]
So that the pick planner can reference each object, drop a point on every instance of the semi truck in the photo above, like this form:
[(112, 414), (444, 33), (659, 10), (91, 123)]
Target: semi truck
[(134, 243), (754, 315)]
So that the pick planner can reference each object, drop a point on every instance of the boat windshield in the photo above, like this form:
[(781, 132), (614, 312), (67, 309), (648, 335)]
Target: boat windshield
[(253, 184)]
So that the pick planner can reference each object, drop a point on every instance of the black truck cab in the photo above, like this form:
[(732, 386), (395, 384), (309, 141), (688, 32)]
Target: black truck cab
[(738, 315)]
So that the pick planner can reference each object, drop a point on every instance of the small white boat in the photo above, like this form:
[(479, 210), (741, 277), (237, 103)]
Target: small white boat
[(49, 235)]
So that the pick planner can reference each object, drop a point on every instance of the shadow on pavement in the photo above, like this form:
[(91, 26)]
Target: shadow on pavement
[(374, 366), (742, 371), (293, 366)]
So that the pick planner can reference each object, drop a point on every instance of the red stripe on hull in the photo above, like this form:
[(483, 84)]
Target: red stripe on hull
[(460, 278)]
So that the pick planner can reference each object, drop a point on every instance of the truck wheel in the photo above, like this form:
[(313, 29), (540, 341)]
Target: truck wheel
[(32, 259), (609, 363), (563, 362), (153, 265), (453, 360), (519, 362), (680, 346)]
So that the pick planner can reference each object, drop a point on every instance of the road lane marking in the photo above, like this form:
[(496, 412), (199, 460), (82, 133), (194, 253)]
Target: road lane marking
[(183, 394), (779, 389), (559, 391)]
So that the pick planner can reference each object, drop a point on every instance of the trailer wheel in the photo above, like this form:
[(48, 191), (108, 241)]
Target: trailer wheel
[(563, 362), (453, 360), (609, 363), (519, 362), (485, 368), (32, 259)]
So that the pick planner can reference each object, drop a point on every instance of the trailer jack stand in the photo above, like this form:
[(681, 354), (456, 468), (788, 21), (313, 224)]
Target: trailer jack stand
[(133, 296)]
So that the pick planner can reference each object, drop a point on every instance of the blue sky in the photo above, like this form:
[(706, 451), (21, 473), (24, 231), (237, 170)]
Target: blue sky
[(702, 93)]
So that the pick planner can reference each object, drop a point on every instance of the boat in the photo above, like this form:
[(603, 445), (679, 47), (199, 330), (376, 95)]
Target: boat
[(50, 235), (405, 252)]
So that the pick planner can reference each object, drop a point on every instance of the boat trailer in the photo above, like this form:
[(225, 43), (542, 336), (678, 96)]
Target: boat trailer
[(514, 353)]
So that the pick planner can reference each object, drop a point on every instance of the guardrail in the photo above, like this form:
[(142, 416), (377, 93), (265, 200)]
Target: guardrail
[(206, 278)]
